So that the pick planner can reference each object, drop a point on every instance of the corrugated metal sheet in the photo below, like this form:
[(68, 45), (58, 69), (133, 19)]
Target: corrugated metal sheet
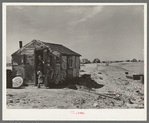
[(62, 49), (54, 47)]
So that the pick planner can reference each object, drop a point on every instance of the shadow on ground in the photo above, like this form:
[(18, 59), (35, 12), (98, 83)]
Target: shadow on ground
[(85, 82)]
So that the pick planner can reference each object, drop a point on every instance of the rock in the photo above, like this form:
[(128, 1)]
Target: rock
[(108, 102), (131, 101), (9, 95), (132, 105), (10, 101), (35, 107), (141, 106), (78, 106), (17, 101), (126, 72), (82, 101), (126, 83), (111, 104), (61, 107), (67, 88), (95, 105), (78, 102), (119, 103), (140, 93), (142, 98)]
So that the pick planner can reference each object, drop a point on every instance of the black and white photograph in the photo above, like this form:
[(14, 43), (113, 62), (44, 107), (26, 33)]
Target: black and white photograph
[(74, 61)]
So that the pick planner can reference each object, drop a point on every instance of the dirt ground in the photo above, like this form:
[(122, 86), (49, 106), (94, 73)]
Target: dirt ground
[(115, 91)]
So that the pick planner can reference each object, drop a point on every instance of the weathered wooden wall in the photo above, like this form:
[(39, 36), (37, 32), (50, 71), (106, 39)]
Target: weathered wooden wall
[(57, 71), (30, 68), (77, 69), (73, 68), (26, 57), (18, 70), (63, 66)]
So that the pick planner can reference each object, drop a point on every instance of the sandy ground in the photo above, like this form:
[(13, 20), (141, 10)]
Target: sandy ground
[(117, 91)]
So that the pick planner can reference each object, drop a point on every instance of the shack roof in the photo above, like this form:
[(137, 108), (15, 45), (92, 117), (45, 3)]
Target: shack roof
[(54, 47)]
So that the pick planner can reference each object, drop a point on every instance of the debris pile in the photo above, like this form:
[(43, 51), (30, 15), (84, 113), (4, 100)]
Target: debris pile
[(84, 83)]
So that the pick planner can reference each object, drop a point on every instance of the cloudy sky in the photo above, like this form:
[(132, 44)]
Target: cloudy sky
[(104, 32)]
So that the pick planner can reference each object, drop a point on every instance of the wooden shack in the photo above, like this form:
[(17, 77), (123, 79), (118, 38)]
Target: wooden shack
[(60, 62)]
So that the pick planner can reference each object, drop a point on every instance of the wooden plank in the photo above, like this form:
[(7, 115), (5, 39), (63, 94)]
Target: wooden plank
[(77, 72), (27, 51), (56, 53), (50, 69), (19, 69), (69, 61), (64, 62), (30, 68), (74, 72), (29, 73), (77, 62), (70, 73), (73, 61), (57, 74), (63, 75)]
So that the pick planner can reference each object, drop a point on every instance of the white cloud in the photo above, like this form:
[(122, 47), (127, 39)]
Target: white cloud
[(86, 13)]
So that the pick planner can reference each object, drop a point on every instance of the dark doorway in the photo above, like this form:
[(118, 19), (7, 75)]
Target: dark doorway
[(38, 53)]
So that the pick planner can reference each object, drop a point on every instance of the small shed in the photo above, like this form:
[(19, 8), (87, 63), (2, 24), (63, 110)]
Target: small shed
[(60, 62), (134, 60), (85, 61), (96, 60)]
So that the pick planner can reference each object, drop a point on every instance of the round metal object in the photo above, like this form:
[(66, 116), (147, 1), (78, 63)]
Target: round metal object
[(17, 82)]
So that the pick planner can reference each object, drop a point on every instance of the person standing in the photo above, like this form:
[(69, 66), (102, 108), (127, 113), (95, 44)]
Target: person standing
[(40, 63), (40, 78), (40, 70)]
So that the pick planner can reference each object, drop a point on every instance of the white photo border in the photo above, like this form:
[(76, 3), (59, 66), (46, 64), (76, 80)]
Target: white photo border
[(64, 114)]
